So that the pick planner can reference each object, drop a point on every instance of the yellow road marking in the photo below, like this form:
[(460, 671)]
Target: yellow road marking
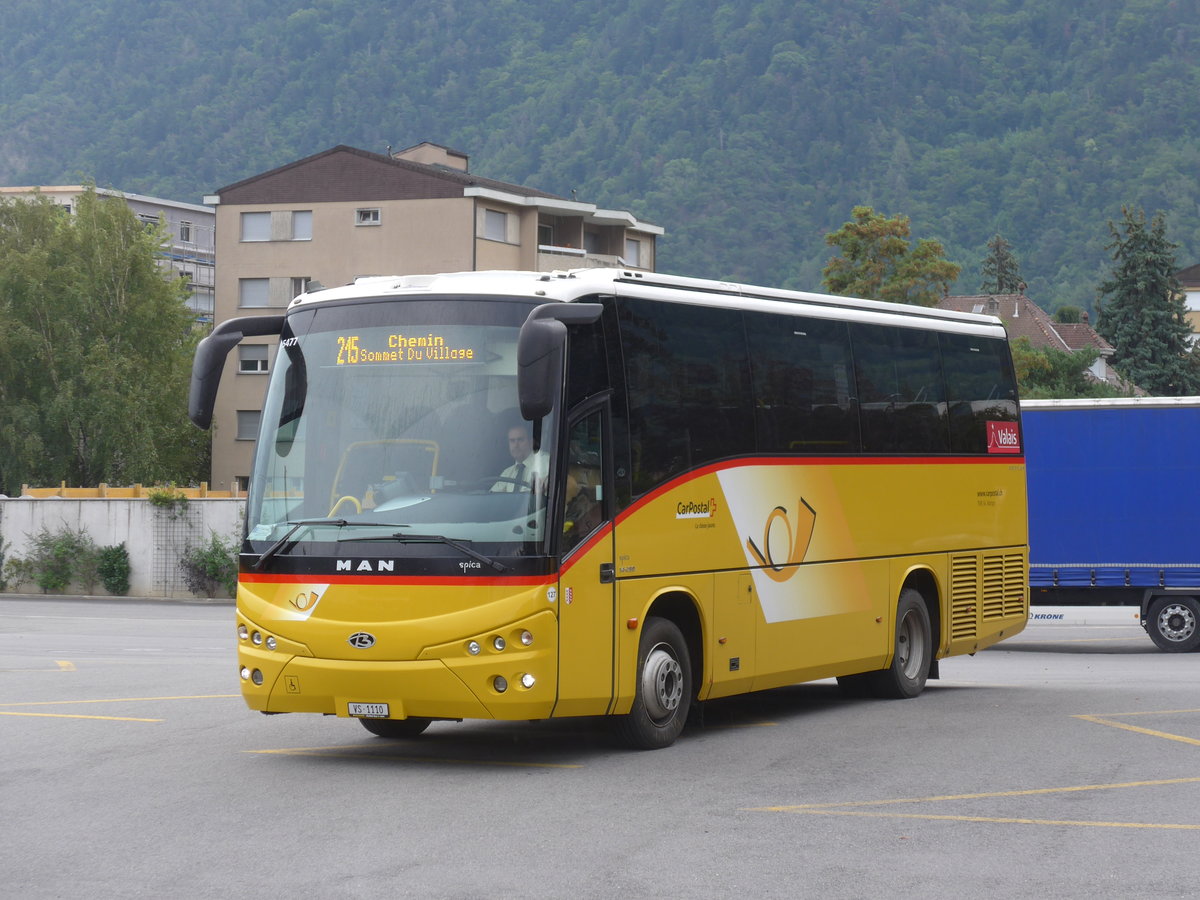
[(68, 716), (999, 821), (65, 665), (122, 700), (346, 753), (847, 809), (1165, 735)]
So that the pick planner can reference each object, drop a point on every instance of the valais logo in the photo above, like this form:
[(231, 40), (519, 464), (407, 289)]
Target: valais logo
[(1003, 437)]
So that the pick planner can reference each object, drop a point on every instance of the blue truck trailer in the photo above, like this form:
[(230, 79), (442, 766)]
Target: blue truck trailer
[(1114, 505)]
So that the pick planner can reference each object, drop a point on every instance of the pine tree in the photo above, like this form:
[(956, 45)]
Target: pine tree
[(1141, 308), (1001, 274), (878, 264)]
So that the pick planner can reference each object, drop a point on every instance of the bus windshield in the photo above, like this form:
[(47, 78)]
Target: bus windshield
[(395, 420)]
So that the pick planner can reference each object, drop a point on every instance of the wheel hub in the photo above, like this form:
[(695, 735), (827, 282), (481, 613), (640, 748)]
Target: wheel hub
[(1176, 622), (662, 683)]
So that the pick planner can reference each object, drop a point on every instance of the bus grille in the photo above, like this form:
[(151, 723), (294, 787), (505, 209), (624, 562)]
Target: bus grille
[(984, 588)]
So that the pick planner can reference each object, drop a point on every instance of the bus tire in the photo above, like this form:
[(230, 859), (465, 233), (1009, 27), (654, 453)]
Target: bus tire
[(396, 728), (1174, 624), (664, 688), (912, 655)]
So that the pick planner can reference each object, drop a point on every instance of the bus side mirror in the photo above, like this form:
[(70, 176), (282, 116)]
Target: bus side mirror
[(210, 359), (540, 353)]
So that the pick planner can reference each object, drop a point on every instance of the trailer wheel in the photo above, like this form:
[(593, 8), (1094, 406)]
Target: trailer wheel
[(1174, 624)]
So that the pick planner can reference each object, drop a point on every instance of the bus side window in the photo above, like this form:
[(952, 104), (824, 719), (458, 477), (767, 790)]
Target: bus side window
[(584, 498)]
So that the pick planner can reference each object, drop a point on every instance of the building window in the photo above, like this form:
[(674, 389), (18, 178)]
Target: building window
[(546, 235), (302, 225), (247, 424), (254, 292), (185, 232), (300, 285), (242, 482), (633, 252), (252, 359), (256, 226), (366, 216), (495, 225)]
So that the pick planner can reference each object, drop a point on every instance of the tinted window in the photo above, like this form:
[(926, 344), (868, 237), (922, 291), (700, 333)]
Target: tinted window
[(901, 393), (688, 388), (980, 386), (802, 385)]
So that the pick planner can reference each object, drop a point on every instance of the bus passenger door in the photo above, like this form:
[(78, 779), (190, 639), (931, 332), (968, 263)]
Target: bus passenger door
[(586, 588)]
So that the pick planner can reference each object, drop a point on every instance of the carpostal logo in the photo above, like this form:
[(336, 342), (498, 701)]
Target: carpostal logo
[(693, 509)]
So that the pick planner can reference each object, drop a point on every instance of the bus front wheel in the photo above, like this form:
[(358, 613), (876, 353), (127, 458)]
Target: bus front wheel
[(395, 728), (664, 688), (1174, 624), (912, 655)]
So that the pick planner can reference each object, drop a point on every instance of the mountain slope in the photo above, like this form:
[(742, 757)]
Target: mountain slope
[(747, 129)]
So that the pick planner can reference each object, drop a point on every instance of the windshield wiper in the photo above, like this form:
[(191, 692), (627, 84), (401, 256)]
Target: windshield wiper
[(296, 526), (434, 539)]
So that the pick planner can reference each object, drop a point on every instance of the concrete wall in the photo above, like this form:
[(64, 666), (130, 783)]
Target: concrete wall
[(155, 538)]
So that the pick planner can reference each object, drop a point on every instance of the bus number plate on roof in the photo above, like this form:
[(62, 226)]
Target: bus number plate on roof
[(368, 710)]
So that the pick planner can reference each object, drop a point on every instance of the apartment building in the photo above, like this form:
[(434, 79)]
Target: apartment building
[(190, 251), (347, 212)]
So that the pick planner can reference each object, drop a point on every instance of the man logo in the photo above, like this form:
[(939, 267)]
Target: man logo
[(361, 640)]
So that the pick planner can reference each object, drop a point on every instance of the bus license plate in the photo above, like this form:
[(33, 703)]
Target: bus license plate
[(369, 710)]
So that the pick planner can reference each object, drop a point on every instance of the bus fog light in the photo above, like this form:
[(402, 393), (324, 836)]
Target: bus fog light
[(500, 683), (473, 647), (499, 642), (271, 643), (243, 632), (245, 673), (526, 638), (256, 676), (256, 638), (527, 680)]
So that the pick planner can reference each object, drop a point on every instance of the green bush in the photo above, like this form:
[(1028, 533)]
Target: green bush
[(113, 568), (211, 567), (58, 558)]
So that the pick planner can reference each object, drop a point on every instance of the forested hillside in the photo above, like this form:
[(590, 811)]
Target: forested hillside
[(747, 129)]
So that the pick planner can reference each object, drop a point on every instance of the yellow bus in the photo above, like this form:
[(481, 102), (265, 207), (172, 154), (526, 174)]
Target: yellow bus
[(507, 495)]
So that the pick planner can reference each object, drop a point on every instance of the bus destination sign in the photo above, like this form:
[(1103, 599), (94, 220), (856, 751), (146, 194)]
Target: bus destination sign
[(401, 348)]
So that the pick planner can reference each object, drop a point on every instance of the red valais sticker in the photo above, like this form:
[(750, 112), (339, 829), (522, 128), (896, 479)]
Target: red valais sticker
[(1003, 437)]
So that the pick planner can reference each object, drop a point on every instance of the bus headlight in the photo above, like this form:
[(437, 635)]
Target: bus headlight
[(527, 681), (243, 632), (499, 643), (526, 638), (473, 647), (500, 683)]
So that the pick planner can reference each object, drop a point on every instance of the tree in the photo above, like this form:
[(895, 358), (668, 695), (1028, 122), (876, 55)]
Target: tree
[(96, 349), (877, 263), (1044, 373), (1001, 274), (1141, 308)]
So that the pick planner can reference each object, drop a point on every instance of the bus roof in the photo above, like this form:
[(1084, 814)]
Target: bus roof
[(575, 284)]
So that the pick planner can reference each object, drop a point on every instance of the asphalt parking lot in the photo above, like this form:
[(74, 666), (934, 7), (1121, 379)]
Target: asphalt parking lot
[(1062, 763)]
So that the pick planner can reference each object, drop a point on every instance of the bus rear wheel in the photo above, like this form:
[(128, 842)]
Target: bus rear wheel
[(1174, 624), (912, 655), (664, 688), (396, 728)]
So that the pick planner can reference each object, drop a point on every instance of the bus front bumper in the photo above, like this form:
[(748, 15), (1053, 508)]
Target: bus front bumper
[(520, 685)]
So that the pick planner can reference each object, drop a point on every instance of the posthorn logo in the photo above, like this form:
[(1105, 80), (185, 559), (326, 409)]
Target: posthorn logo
[(361, 640)]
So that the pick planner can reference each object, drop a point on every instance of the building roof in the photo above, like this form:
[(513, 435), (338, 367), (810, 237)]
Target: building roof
[(347, 174), (1189, 277), (1024, 318)]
